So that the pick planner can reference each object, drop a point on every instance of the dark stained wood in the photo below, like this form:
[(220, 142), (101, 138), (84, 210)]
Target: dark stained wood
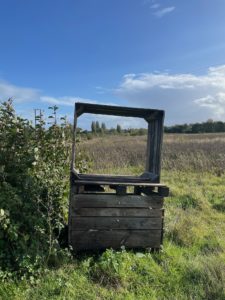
[(117, 111), (100, 239), (106, 200), (154, 144), (93, 188), (126, 183), (108, 223), (163, 191), (121, 190), (99, 220), (116, 178), (116, 212), (147, 190)]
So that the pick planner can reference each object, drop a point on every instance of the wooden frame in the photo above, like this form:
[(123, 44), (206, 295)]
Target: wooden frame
[(134, 219), (153, 117)]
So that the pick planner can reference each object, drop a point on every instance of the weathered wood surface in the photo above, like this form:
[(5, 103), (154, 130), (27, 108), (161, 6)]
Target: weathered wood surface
[(116, 212), (99, 221), (121, 190), (146, 114), (102, 239), (114, 182), (106, 200), (109, 223), (154, 146), (115, 178)]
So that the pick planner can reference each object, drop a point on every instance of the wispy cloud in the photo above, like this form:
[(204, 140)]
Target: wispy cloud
[(155, 6), (21, 94), (164, 11), (185, 97), (64, 101), (24, 95)]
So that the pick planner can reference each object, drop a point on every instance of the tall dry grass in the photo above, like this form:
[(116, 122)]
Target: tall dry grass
[(192, 152)]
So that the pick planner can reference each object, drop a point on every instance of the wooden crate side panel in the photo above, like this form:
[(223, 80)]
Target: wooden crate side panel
[(104, 200), (99, 240), (108, 223), (115, 212)]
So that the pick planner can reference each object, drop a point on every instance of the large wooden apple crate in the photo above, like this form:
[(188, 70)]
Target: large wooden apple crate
[(132, 213)]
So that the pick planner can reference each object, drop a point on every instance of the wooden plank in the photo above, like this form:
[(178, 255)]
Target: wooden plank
[(121, 190), (117, 110), (115, 182), (116, 212), (115, 178), (99, 240), (107, 223), (154, 145), (163, 191), (106, 200)]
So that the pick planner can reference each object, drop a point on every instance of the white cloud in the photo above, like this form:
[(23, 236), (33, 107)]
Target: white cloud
[(64, 101), (155, 6), (185, 97), (20, 94), (164, 11), (215, 103)]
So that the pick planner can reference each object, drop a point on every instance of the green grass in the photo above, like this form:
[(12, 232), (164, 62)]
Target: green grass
[(191, 264)]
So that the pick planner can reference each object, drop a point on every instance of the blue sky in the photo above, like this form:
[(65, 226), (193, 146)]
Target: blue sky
[(167, 54)]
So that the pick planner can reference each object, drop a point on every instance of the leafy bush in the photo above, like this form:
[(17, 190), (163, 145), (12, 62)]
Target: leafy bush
[(34, 178)]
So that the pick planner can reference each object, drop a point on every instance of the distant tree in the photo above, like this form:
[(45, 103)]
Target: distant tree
[(103, 127), (118, 128), (142, 131), (219, 126), (112, 131), (97, 127), (93, 127)]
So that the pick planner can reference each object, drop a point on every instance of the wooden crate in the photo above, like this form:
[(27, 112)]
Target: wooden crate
[(100, 221)]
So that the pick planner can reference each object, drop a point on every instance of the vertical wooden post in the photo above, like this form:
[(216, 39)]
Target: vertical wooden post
[(74, 141), (154, 145)]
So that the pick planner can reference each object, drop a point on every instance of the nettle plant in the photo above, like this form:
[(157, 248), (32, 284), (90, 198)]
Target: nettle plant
[(34, 185)]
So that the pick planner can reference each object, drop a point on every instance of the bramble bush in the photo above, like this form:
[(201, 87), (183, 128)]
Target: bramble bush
[(34, 185)]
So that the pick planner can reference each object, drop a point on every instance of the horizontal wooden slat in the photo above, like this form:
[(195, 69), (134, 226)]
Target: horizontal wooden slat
[(116, 212), (107, 223), (98, 240), (127, 182), (117, 110), (119, 178), (104, 200)]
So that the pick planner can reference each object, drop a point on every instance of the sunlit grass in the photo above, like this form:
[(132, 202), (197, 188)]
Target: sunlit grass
[(191, 264)]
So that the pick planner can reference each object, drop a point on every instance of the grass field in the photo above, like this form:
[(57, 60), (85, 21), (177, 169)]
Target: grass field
[(191, 264), (193, 152)]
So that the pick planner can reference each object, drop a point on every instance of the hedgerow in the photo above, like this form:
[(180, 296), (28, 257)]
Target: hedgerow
[(34, 179)]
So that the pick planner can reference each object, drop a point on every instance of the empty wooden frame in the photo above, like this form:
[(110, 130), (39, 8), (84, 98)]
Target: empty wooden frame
[(132, 216)]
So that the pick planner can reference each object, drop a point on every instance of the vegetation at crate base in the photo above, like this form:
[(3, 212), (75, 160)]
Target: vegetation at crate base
[(191, 264)]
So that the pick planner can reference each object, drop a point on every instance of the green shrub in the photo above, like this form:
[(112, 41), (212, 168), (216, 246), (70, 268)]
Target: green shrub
[(34, 178)]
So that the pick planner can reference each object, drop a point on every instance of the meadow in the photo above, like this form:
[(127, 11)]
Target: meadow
[(191, 264)]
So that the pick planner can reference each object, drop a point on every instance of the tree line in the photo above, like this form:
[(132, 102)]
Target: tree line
[(209, 126), (96, 127)]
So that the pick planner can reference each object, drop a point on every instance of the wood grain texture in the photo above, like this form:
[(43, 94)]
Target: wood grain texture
[(106, 200), (101, 239), (116, 212), (117, 111), (109, 223), (109, 181), (154, 145)]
